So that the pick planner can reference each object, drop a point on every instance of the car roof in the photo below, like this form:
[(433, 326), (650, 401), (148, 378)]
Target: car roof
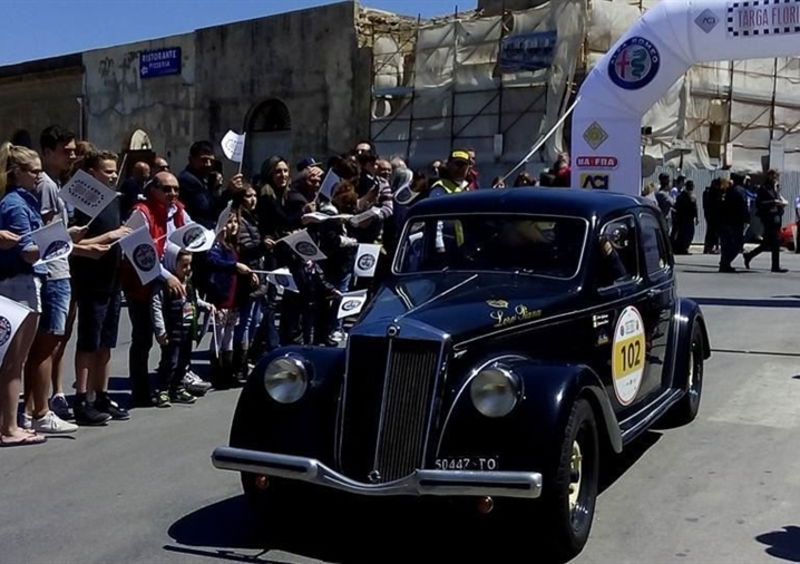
[(552, 201)]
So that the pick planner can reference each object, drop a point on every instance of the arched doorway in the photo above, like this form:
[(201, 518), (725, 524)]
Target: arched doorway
[(139, 140), (647, 60), (269, 132)]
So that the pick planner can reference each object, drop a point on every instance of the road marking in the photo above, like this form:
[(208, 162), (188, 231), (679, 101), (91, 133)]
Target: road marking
[(765, 353)]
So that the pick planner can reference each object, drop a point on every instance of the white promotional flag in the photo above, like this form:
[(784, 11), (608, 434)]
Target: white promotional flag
[(366, 260), (12, 315), (282, 277), (405, 195), (319, 217), (329, 183), (223, 219), (140, 250), (87, 194), (53, 241), (193, 237), (233, 146), (304, 246), (365, 217), (136, 220), (352, 303)]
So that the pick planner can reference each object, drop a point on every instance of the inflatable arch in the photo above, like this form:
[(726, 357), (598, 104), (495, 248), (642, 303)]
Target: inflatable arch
[(639, 69)]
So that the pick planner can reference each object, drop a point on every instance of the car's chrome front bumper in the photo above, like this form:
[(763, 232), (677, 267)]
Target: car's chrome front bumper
[(421, 482)]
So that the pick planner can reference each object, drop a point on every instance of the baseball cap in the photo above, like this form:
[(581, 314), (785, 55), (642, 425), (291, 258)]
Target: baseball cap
[(459, 156), (307, 162)]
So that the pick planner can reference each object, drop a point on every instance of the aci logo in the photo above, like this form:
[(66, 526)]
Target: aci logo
[(706, 21), (634, 64), (595, 180)]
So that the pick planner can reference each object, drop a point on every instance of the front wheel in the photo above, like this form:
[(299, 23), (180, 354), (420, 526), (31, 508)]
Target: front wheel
[(569, 496)]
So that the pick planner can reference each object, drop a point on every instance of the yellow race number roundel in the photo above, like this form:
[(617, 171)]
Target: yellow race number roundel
[(627, 363)]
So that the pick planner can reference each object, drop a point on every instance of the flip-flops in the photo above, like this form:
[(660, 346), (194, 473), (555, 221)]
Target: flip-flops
[(29, 439)]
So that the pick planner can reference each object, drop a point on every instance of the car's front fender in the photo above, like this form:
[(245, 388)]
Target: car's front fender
[(303, 428), (529, 437)]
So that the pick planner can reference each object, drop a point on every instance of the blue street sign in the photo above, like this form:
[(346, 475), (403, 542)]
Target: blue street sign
[(160, 62), (528, 51)]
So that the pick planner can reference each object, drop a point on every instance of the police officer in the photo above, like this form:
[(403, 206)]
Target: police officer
[(454, 176), (770, 206)]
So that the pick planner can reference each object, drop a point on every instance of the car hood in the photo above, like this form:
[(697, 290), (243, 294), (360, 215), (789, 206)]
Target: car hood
[(464, 305)]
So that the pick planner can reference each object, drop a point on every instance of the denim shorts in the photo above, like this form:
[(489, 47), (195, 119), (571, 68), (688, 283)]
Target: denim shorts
[(25, 289), (55, 306)]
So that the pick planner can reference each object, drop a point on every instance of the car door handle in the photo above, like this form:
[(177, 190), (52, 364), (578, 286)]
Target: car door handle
[(652, 293)]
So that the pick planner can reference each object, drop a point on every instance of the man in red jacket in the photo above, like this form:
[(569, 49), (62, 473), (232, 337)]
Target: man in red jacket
[(162, 213)]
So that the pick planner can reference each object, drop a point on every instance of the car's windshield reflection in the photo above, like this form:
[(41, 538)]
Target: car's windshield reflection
[(535, 245)]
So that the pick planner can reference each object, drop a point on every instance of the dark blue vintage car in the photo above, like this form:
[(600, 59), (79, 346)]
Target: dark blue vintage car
[(521, 334)]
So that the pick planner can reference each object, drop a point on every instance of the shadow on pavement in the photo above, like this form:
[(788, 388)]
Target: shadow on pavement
[(221, 530), (229, 530), (347, 529), (616, 465), (783, 544)]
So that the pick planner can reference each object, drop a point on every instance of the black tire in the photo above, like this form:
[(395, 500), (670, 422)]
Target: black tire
[(568, 522), (685, 411)]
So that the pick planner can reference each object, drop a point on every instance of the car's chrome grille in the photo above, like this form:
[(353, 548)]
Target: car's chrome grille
[(406, 408), (366, 367), (389, 393)]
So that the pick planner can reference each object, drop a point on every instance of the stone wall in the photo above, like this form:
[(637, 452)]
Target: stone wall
[(119, 101), (310, 60), (307, 59), (38, 94)]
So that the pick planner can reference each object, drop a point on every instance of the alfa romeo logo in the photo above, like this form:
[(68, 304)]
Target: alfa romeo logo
[(5, 330), (193, 237), (56, 248), (306, 249), (366, 262), (634, 64), (144, 257)]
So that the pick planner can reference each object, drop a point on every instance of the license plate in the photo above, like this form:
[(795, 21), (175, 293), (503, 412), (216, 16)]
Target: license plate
[(468, 463)]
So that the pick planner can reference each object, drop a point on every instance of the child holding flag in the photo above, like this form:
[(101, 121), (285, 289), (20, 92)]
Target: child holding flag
[(175, 323), (224, 270)]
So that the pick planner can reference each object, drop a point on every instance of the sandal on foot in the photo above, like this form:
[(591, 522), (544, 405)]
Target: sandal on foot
[(28, 439)]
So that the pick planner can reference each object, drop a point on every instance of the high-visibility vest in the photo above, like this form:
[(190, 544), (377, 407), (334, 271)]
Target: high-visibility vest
[(448, 186)]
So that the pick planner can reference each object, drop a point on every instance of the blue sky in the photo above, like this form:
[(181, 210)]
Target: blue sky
[(35, 29)]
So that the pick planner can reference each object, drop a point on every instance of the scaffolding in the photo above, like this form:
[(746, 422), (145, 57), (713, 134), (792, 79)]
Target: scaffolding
[(438, 85)]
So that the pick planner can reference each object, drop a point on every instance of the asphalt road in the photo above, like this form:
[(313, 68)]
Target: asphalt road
[(724, 489)]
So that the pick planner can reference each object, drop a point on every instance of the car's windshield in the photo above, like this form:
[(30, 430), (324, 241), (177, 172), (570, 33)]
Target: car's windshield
[(537, 245)]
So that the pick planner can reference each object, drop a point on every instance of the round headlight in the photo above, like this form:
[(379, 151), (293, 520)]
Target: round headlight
[(286, 379), (494, 391)]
